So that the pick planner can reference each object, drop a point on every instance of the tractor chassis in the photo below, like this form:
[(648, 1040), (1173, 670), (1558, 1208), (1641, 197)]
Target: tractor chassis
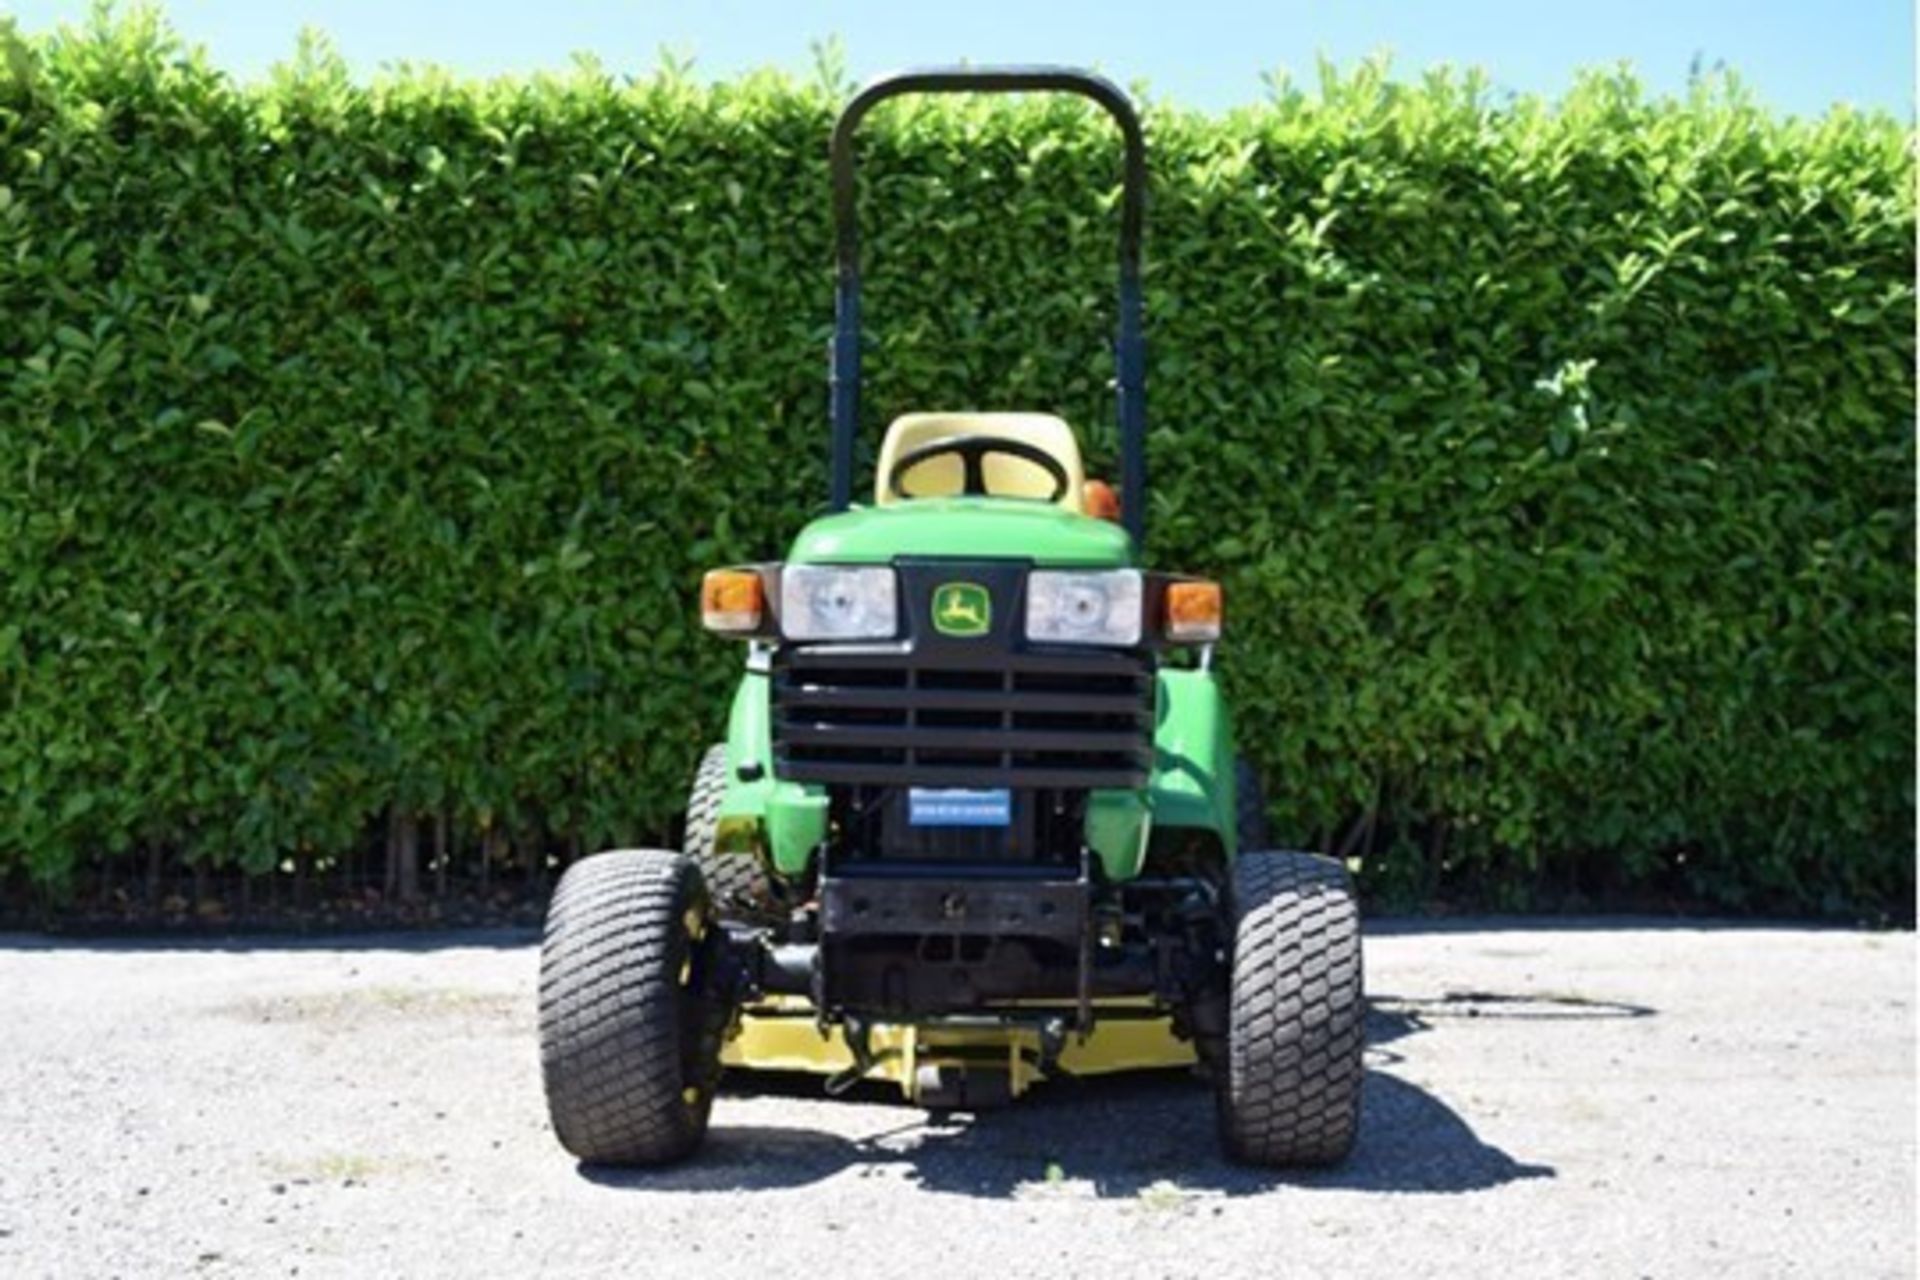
[(964, 990)]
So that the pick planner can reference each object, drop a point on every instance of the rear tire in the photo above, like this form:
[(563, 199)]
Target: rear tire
[(629, 1041), (739, 886), (1289, 1093)]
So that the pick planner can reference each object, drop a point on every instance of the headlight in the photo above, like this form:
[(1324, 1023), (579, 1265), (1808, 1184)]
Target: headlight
[(1084, 608), (827, 602)]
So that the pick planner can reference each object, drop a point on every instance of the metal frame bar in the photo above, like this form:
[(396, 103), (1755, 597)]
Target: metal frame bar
[(1129, 341)]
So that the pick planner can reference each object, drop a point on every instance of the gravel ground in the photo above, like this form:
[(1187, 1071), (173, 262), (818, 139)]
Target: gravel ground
[(1613, 1098)]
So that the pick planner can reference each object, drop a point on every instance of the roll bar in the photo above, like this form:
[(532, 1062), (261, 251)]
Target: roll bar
[(1129, 343)]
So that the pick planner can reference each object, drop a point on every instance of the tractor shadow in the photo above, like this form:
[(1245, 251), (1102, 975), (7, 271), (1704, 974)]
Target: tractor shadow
[(1144, 1135)]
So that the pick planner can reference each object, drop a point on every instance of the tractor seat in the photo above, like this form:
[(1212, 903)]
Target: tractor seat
[(1005, 475)]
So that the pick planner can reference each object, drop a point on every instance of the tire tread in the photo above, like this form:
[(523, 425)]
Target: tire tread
[(1290, 1093), (612, 1055)]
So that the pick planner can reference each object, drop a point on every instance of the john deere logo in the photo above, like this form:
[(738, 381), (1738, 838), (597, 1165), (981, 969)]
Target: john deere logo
[(962, 609)]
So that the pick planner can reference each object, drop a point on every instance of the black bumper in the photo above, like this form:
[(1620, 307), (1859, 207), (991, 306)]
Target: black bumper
[(1054, 910), (915, 946)]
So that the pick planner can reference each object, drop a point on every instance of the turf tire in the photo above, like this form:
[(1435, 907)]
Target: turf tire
[(1289, 1094), (629, 1046)]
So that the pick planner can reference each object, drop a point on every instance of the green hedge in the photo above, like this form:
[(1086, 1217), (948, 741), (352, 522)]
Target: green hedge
[(361, 446)]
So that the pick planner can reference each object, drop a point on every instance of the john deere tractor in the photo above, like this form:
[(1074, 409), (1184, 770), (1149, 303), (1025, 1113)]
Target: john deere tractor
[(978, 819)]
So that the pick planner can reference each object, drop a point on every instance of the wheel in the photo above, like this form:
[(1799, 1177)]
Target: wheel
[(1290, 1090), (629, 1040), (1249, 806), (739, 886)]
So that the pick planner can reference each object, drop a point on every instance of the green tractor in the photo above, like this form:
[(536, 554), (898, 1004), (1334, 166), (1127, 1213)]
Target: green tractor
[(978, 819)]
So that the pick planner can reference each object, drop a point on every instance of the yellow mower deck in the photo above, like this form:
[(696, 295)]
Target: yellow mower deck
[(782, 1034)]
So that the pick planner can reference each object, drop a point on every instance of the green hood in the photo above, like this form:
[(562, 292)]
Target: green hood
[(974, 528)]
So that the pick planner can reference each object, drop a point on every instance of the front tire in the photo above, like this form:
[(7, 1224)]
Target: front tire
[(629, 1039), (1290, 1090)]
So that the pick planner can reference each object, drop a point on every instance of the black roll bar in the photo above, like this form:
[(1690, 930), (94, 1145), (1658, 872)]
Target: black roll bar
[(1129, 343)]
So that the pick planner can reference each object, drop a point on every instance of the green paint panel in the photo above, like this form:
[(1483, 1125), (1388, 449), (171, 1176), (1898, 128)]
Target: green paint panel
[(791, 816), (1192, 783), (796, 824), (975, 528), (749, 741), (1117, 826)]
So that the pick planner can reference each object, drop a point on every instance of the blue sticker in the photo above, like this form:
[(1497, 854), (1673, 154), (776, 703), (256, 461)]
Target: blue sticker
[(954, 807)]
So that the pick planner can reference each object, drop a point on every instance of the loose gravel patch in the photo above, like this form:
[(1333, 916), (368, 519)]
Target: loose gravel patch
[(1609, 1098)]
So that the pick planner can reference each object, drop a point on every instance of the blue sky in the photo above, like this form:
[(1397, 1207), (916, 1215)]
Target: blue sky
[(1798, 57)]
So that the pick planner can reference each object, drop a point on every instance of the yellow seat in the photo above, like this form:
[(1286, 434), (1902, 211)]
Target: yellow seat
[(1005, 475)]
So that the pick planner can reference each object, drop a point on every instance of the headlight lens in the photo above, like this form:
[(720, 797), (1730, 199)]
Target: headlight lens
[(827, 602), (1084, 608)]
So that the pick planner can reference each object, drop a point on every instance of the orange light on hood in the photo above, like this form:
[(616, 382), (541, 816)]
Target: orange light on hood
[(1098, 499)]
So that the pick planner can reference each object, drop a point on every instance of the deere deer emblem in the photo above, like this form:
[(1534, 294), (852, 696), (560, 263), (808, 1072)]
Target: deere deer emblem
[(962, 609)]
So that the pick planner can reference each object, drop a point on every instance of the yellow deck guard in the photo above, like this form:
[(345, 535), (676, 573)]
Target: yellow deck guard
[(781, 1034)]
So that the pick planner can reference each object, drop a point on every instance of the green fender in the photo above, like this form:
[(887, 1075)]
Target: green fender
[(1192, 784), (780, 822)]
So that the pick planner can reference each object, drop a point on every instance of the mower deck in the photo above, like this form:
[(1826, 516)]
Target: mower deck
[(947, 1065)]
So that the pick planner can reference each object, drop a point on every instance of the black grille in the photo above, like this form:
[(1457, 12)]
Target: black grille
[(881, 715)]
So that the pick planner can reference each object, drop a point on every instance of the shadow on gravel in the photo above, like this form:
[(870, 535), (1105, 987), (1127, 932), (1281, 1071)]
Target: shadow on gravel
[(1149, 1135)]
